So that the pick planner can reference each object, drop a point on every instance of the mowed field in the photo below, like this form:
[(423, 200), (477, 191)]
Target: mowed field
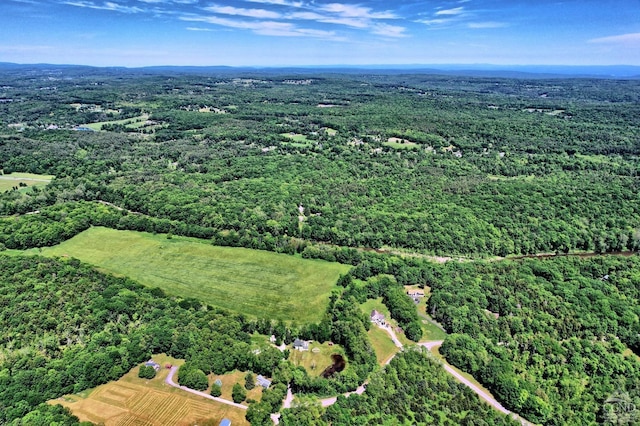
[(253, 282), (317, 358), (10, 180), (132, 401), (132, 123)]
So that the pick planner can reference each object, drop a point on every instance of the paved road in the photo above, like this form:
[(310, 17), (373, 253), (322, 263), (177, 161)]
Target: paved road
[(487, 397), (332, 400), (170, 382), (431, 344)]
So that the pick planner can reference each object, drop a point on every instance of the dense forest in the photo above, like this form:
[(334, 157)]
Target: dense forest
[(413, 389), (381, 172), (552, 339), (436, 164)]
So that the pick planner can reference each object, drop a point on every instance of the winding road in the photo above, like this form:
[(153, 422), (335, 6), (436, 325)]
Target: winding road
[(170, 382), (430, 345), (484, 395), (326, 402)]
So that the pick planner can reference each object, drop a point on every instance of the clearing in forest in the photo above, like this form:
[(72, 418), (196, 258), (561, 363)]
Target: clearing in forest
[(254, 282), (135, 401), (297, 140), (11, 180), (317, 358), (397, 143), (131, 123)]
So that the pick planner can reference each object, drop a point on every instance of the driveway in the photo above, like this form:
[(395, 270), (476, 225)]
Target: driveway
[(170, 382)]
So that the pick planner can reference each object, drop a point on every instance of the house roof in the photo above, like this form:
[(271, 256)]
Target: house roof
[(375, 314), (263, 381), (225, 422), (300, 343)]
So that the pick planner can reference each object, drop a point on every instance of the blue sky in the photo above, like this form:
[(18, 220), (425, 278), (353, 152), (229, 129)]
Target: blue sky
[(320, 32)]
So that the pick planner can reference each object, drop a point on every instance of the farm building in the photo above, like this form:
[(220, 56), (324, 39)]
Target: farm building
[(263, 381), (300, 345)]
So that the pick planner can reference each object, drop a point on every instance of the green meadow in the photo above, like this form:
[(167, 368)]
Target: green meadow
[(297, 140), (397, 143), (10, 180), (132, 123), (256, 283)]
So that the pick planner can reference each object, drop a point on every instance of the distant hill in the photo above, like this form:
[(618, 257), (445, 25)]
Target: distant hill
[(471, 70)]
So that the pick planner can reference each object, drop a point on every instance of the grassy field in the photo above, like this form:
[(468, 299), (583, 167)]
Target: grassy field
[(382, 344), (135, 401), (230, 379), (296, 137), (10, 180), (430, 331), (132, 123), (315, 362), (376, 304), (254, 282), (397, 143)]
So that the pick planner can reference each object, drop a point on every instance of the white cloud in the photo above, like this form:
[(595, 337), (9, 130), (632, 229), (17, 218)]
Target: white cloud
[(285, 21), (487, 24), (353, 11), (389, 30), (199, 29), (343, 14), (279, 2), (454, 11), (438, 21), (631, 38), (327, 19), (251, 13), (270, 28), (105, 6)]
